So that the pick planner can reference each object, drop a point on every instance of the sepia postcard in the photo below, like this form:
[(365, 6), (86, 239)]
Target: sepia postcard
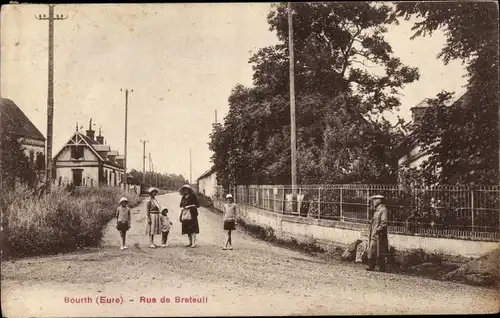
[(249, 159)]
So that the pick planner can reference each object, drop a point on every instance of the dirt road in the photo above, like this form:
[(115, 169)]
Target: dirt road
[(255, 278)]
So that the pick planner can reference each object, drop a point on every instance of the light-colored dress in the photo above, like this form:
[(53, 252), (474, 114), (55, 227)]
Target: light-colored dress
[(165, 223), (153, 209)]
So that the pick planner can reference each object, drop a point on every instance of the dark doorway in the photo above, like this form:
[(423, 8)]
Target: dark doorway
[(77, 177)]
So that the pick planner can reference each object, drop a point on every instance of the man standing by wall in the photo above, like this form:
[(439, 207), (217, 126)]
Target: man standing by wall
[(378, 244)]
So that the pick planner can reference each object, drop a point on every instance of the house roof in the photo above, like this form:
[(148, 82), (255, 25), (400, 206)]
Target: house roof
[(100, 147), (25, 128), (94, 146), (206, 173)]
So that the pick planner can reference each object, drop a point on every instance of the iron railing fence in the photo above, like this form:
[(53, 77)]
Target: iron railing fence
[(447, 210)]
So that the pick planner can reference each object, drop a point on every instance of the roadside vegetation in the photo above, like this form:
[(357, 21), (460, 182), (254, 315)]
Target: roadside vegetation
[(57, 222)]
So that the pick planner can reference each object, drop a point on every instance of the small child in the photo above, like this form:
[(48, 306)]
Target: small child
[(229, 219), (123, 220), (165, 227)]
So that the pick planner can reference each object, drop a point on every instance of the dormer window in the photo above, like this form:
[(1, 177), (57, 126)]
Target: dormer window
[(77, 152)]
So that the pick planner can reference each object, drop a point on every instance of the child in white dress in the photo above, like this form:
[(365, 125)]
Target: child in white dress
[(165, 227)]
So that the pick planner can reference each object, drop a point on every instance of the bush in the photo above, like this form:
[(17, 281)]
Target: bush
[(204, 200), (59, 221)]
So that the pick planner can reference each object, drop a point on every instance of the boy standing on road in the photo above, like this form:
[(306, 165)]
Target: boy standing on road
[(123, 220), (229, 219), (165, 227)]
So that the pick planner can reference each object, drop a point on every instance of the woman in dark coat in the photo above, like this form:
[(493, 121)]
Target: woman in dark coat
[(190, 203)]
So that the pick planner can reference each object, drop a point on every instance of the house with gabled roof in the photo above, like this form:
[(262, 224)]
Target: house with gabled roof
[(86, 160), (30, 138)]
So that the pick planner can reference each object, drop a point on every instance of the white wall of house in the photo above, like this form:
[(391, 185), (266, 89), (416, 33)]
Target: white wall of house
[(90, 176), (110, 172), (208, 184), (414, 158)]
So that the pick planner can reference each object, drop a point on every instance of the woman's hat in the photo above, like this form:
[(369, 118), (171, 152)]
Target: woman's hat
[(229, 196), (152, 189), (186, 186), (123, 199), (377, 196)]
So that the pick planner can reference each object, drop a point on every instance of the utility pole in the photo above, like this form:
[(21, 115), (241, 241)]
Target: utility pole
[(150, 171), (156, 174), (216, 116), (190, 168), (126, 128), (50, 95), (144, 161), (292, 107)]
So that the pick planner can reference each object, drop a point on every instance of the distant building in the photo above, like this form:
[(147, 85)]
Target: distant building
[(31, 139), (411, 154), (86, 160), (207, 182)]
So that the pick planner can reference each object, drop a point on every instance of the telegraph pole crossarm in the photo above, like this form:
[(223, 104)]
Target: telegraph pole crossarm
[(50, 92)]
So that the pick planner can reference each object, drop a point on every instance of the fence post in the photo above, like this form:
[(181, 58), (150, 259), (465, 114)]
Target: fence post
[(472, 208), (341, 207), (319, 203), (368, 204)]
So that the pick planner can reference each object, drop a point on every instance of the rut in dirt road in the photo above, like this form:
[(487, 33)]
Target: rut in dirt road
[(256, 278)]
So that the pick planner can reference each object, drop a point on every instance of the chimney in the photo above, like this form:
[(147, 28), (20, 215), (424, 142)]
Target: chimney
[(90, 132), (100, 138), (419, 111)]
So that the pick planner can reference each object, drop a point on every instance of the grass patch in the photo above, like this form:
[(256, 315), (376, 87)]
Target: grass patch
[(57, 222)]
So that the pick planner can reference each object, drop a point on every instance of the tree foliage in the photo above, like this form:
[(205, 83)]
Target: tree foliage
[(166, 181), (462, 139), (14, 164), (345, 75)]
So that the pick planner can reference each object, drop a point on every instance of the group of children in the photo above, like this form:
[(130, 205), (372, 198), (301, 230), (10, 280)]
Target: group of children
[(123, 221)]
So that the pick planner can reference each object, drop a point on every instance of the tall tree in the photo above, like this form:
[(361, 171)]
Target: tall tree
[(467, 147), (14, 164), (341, 53)]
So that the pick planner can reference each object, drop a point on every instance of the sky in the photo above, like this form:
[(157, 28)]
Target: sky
[(181, 60)]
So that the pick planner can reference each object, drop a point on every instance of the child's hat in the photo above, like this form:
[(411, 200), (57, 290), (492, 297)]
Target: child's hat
[(152, 189), (123, 199), (229, 196)]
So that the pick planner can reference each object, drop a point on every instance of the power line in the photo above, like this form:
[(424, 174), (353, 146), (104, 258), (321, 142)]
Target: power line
[(50, 94)]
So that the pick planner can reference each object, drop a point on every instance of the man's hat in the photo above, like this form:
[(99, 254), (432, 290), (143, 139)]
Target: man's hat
[(377, 196), (229, 196)]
